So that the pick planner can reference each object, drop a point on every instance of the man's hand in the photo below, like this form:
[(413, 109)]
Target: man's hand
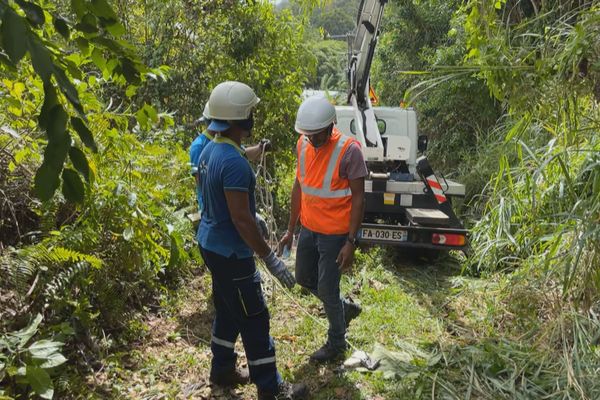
[(286, 241), (346, 257), (265, 145), (279, 270)]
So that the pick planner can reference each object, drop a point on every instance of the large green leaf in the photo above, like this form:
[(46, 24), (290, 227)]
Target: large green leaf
[(27, 333), (151, 112), (84, 46), (62, 27), (72, 187), (102, 9), (50, 100), (40, 382), (46, 182), (34, 13), (43, 348), (84, 133), (73, 67), (142, 119), (80, 7), (110, 44), (68, 89), (88, 24), (98, 59), (40, 58), (53, 360), (116, 29), (131, 73), (176, 246), (56, 152), (14, 35), (57, 126), (80, 162)]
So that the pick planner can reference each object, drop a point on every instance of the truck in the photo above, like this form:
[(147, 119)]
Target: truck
[(407, 203)]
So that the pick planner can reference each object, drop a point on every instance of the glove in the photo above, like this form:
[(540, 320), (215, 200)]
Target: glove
[(265, 144), (279, 271), (262, 226)]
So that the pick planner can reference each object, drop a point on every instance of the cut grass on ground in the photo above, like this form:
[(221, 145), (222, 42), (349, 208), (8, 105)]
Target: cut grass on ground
[(401, 303)]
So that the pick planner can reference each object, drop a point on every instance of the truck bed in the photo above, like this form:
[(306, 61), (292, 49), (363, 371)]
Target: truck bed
[(417, 187)]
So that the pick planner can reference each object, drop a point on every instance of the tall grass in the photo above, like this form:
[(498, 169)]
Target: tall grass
[(538, 227), (543, 210)]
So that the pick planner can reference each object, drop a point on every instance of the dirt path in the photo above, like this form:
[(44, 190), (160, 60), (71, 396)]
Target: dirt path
[(401, 302)]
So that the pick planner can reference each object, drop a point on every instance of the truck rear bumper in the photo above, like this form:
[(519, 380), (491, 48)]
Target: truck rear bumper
[(414, 236)]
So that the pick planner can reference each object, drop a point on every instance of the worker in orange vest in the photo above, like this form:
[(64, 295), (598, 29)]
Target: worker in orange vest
[(328, 199)]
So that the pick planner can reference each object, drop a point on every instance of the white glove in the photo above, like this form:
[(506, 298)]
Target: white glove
[(279, 271)]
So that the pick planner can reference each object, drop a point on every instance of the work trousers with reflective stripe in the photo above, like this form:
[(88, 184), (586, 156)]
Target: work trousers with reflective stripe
[(318, 271), (240, 308)]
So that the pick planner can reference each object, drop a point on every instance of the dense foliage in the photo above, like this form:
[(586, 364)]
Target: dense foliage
[(87, 96), (99, 99), (538, 193), (420, 61)]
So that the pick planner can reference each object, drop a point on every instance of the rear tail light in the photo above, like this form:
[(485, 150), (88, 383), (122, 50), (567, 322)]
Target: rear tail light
[(448, 239)]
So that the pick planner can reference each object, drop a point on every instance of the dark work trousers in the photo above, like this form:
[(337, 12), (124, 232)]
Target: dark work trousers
[(318, 271), (240, 308)]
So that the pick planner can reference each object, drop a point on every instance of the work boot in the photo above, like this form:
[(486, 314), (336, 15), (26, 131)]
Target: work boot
[(327, 353), (351, 311), (285, 391), (233, 377)]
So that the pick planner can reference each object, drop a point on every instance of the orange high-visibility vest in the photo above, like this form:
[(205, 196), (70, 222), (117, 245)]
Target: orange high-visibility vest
[(326, 198)]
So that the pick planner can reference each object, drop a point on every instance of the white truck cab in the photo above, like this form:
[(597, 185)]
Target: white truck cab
[(407, 203), (398, 130)]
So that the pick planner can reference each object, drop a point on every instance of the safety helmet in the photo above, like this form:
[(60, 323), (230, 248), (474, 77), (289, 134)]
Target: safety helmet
[(315, 114), (204, 117), (231, 101)]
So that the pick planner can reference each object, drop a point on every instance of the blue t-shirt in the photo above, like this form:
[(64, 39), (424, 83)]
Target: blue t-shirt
[(222, 167), (196, 149)]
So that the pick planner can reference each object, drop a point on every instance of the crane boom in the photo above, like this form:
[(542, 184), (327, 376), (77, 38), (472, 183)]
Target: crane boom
[(360, 57), (363, 47), (407, 204)]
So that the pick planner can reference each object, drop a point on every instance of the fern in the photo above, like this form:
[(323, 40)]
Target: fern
[(63, 279), (60, 254), (18, 271), (23, 265)]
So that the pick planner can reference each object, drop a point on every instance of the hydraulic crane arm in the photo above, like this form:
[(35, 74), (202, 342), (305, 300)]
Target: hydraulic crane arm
[(363, 46), (360, 57)]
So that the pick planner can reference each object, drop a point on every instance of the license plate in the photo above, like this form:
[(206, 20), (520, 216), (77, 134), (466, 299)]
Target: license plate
[(390, 235)]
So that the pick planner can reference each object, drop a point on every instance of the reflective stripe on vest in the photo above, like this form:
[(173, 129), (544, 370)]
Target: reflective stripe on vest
[(324, 191)]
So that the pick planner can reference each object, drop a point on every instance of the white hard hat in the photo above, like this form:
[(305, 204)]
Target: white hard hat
[(204, 117), (315, 114), (231, 101)]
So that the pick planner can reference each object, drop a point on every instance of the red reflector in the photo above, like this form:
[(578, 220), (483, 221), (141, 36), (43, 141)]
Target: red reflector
[(448, 239)]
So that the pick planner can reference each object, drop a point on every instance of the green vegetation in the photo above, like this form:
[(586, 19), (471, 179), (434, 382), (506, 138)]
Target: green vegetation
[(533, 177), (102, 293), (93, 259), (420, 60)]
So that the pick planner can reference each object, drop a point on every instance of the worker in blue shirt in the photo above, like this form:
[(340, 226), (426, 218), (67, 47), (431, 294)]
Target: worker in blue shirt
[(253, 153), (228, 237), (196, 149)]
